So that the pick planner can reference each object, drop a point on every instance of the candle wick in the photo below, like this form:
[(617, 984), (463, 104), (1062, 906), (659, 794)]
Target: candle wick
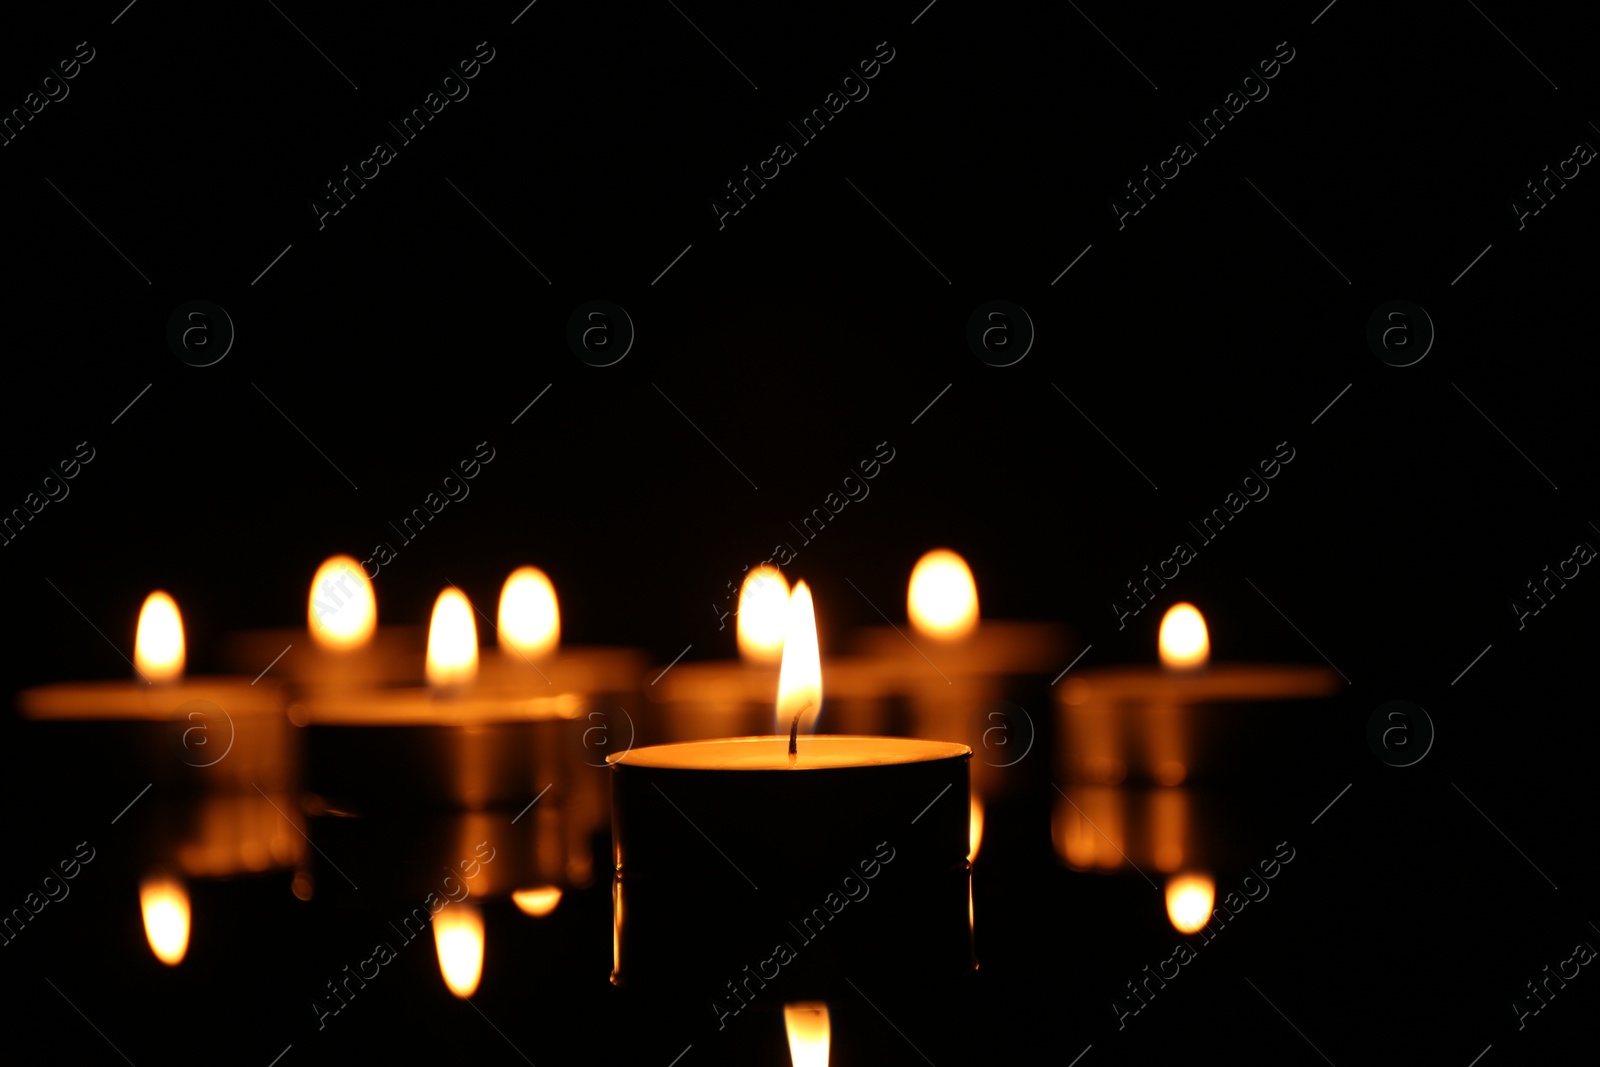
[(794, 734)]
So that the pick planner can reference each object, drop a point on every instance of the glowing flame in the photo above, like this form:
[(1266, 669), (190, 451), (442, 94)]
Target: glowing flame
[(530, 621), (942, 600), (763, 607), (458, 937), (810, 1033), (800, 675), (1184, 643), (1189, 900), (158, 646), (452, 641), (341, 612), (538, 902), (165, 904), (975, 829)]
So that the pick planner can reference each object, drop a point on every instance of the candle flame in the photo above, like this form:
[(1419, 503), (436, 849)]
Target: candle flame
[(458, 938), (800, 674), (1189, 900), (538, 901), (974, 829), (1184, 642), (942, 600), (810, 1033), (165, 904), (158, 650), (452, 641), (342, 611), (763, 608), (530, 620)]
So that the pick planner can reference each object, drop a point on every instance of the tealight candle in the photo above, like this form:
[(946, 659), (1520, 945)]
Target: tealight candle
[(188, 733), (342, 646), (727, 848), (1147, 757)]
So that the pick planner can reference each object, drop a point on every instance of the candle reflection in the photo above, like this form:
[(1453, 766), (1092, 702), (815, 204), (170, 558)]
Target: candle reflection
[(1189, 900), (810, 1033), (538, 901), (164, 902), (458, 939)]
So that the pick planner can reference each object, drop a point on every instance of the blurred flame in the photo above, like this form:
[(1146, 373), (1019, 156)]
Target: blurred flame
[(452, 641), (530, 620), (341, 611), (763, 607), (165, 904), (975, 829), (810, 1033), (1189, 900), (538, 901), (158, 650), (1184, 642), (942, 600), (458, 938), (800, 675)]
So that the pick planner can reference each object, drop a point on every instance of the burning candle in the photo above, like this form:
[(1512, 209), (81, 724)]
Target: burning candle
[(805, 818), (342, 647), (217, 753), (433, 770), (1149, 754), (727, 698), (964, 677)]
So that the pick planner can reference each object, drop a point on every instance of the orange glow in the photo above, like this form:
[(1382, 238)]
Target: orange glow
[(763, 609), (538, 901), (810, 1033), (452, 641), (341, 611), (158, 650), (975, 829), (530, 620), (458, 938), (1184, 642), (1189, 900), (165, 904), (800, 675), (942, 600)]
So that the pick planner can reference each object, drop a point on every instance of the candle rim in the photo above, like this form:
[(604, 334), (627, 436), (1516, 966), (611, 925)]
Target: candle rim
[(934, 751)]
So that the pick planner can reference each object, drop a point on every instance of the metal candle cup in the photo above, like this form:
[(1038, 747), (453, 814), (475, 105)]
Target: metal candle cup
[(698, 826)]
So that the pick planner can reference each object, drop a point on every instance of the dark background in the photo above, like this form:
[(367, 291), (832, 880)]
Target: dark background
[(797, 338)]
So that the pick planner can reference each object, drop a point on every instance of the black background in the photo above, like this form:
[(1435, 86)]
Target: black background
[(796, 338)]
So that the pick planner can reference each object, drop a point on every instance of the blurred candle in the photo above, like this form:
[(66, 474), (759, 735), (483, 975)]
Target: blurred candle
[(341, 612), (1184, 643), (942, 598), (158, 648), (452, 641), (530, 620), (763, 608)]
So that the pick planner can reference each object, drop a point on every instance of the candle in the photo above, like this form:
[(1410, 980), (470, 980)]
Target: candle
[(342, 646), (1149, 757), (966, 678), (790, 858), (183, 733), (218, 754)]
